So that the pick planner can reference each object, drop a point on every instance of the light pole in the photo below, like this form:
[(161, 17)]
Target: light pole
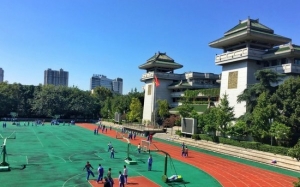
[(271, 121)]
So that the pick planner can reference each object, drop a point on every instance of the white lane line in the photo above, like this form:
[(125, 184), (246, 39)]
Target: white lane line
[(38, 137), (71, 178)]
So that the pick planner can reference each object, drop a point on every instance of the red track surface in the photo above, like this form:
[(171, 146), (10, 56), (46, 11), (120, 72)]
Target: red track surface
[(132, 181), (228, 173)]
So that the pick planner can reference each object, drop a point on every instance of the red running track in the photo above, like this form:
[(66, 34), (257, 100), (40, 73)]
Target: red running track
[(228, 173)]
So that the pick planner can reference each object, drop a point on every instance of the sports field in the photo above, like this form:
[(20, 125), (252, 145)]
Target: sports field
[(55, 156)]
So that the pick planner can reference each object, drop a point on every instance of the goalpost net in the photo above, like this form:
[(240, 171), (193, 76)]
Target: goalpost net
[(8, 135), (145, 145), (119, 135)]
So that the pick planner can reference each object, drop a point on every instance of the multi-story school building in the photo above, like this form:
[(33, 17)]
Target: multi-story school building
[(248, 47), (160, 69)]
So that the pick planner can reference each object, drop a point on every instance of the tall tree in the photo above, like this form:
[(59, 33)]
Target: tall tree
[(163, 108), (268, 81), (287, 100), (225, 114), (135, 113), (262, 113)]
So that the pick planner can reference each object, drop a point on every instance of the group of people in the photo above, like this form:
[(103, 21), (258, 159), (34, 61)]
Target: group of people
[(101, 128), (4, 125), (184, 150), (107, 180), (132, 135)]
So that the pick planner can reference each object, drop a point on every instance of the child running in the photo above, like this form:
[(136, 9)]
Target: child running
[(88, 167)]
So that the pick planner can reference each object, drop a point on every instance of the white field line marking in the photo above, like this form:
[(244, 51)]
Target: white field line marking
[(62, 141), (71, 178), (38, 137), (27, 160), (90, 183), (59, 139), (57, 157), (147, 178)]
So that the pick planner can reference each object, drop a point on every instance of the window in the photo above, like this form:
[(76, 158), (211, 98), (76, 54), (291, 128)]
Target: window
[(274, 63), (283, 61), (149, 89), (266, 63), (297, 61)]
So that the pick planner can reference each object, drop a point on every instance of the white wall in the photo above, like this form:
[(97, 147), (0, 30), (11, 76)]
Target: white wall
[(241, 67), (162, 93)]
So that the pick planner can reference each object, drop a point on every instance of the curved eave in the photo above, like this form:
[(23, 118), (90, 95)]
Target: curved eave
[(160, 65), (249, 35), (179, 87), (282, 54)]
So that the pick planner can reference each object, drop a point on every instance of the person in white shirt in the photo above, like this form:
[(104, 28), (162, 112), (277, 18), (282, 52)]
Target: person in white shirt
[(125, 173)]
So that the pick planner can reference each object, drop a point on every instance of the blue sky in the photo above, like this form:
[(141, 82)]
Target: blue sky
[(114, 37)]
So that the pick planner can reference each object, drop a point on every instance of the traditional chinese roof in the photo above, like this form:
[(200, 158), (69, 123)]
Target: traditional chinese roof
[(284, 50), (249, 30), (180, 84), (160, 60)]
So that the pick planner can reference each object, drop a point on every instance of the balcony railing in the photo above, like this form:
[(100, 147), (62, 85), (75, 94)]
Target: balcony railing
[(170, 76), (285, 68), (245, 53)]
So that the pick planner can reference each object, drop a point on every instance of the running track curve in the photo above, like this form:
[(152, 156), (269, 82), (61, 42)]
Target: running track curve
[(228, 173)]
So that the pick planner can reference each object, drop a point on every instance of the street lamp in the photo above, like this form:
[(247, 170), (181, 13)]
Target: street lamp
[(271, 121)]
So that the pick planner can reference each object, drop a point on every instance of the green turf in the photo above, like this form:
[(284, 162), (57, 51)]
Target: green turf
[(55, 156), (240, 160)]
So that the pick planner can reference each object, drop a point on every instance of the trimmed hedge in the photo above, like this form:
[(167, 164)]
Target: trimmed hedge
[(245, 144)]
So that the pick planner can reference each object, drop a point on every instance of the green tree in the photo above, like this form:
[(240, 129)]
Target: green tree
[(287, 100), (225, 114), (262, 113), (135, 113), (51, 100), (239, 130), (163, 108), (280, 132), (295, 151), (267, 78), (209, 117)]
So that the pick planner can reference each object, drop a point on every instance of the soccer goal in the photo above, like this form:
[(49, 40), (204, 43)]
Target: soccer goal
[(119, 135), (8, 135), (145, 145)]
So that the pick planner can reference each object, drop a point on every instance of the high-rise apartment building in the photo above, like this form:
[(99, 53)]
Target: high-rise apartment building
[(115, 85), (1, 75), (56, 78)]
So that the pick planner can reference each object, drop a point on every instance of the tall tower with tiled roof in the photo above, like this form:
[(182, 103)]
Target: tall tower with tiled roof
[(162, 66), (248, 47)]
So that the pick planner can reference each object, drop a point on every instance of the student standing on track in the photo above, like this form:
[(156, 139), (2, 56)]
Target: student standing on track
[(106, 182), (88, 167), (150, 160), (100, 173), (110, 179), (121, 180), (186, 151), (125, 173)]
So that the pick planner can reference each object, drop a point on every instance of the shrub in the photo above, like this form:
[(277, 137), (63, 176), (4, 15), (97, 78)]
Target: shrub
[(178, 132)]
